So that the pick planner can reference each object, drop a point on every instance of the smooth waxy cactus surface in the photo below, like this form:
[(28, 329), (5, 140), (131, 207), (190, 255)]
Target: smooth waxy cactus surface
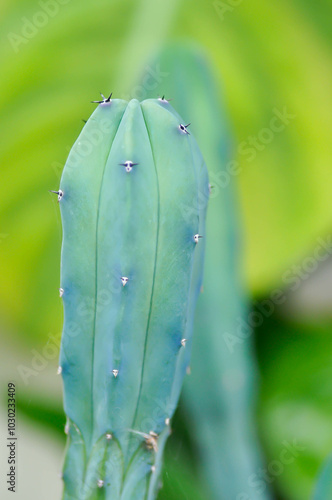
[(131, 271)]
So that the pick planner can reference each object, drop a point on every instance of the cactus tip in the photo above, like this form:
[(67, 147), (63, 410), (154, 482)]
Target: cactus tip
[(61, 292), (163, 99), (128, 165), (183, 342), (167, 421), (151, 441), (59, 193), (59, 370), (108, 436), (115, 373), (124, 280), (100, 483), (183, 128), (197, 237), (153, 468), (105, 100), (67, 428)]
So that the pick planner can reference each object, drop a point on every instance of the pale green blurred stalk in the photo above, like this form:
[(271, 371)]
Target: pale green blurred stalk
[(220, 394)]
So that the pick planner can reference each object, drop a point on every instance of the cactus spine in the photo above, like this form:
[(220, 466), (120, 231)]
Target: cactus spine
[(131, 271)]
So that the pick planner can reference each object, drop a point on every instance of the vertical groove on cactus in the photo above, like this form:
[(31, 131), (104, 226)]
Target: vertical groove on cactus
[(96, 279), (154, 275)]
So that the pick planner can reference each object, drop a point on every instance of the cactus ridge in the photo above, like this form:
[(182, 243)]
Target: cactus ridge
[(131, 271)]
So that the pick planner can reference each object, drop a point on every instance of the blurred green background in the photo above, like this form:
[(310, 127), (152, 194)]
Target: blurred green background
[(270, 58)]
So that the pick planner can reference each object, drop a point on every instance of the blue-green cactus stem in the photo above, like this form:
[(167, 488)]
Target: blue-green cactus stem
[(131, 270)]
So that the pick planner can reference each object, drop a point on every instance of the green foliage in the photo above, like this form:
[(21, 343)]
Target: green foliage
[(285, 192), (131, 271), (296, 402)]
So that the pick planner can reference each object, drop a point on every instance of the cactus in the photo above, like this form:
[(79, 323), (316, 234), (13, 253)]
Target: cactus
[(131, 271), (220, 411)]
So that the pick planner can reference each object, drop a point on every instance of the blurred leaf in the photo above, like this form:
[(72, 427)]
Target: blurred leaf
[(51, 77), (272, 55), (179, 482), (42, 413), (296, 402), (269, 55)]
